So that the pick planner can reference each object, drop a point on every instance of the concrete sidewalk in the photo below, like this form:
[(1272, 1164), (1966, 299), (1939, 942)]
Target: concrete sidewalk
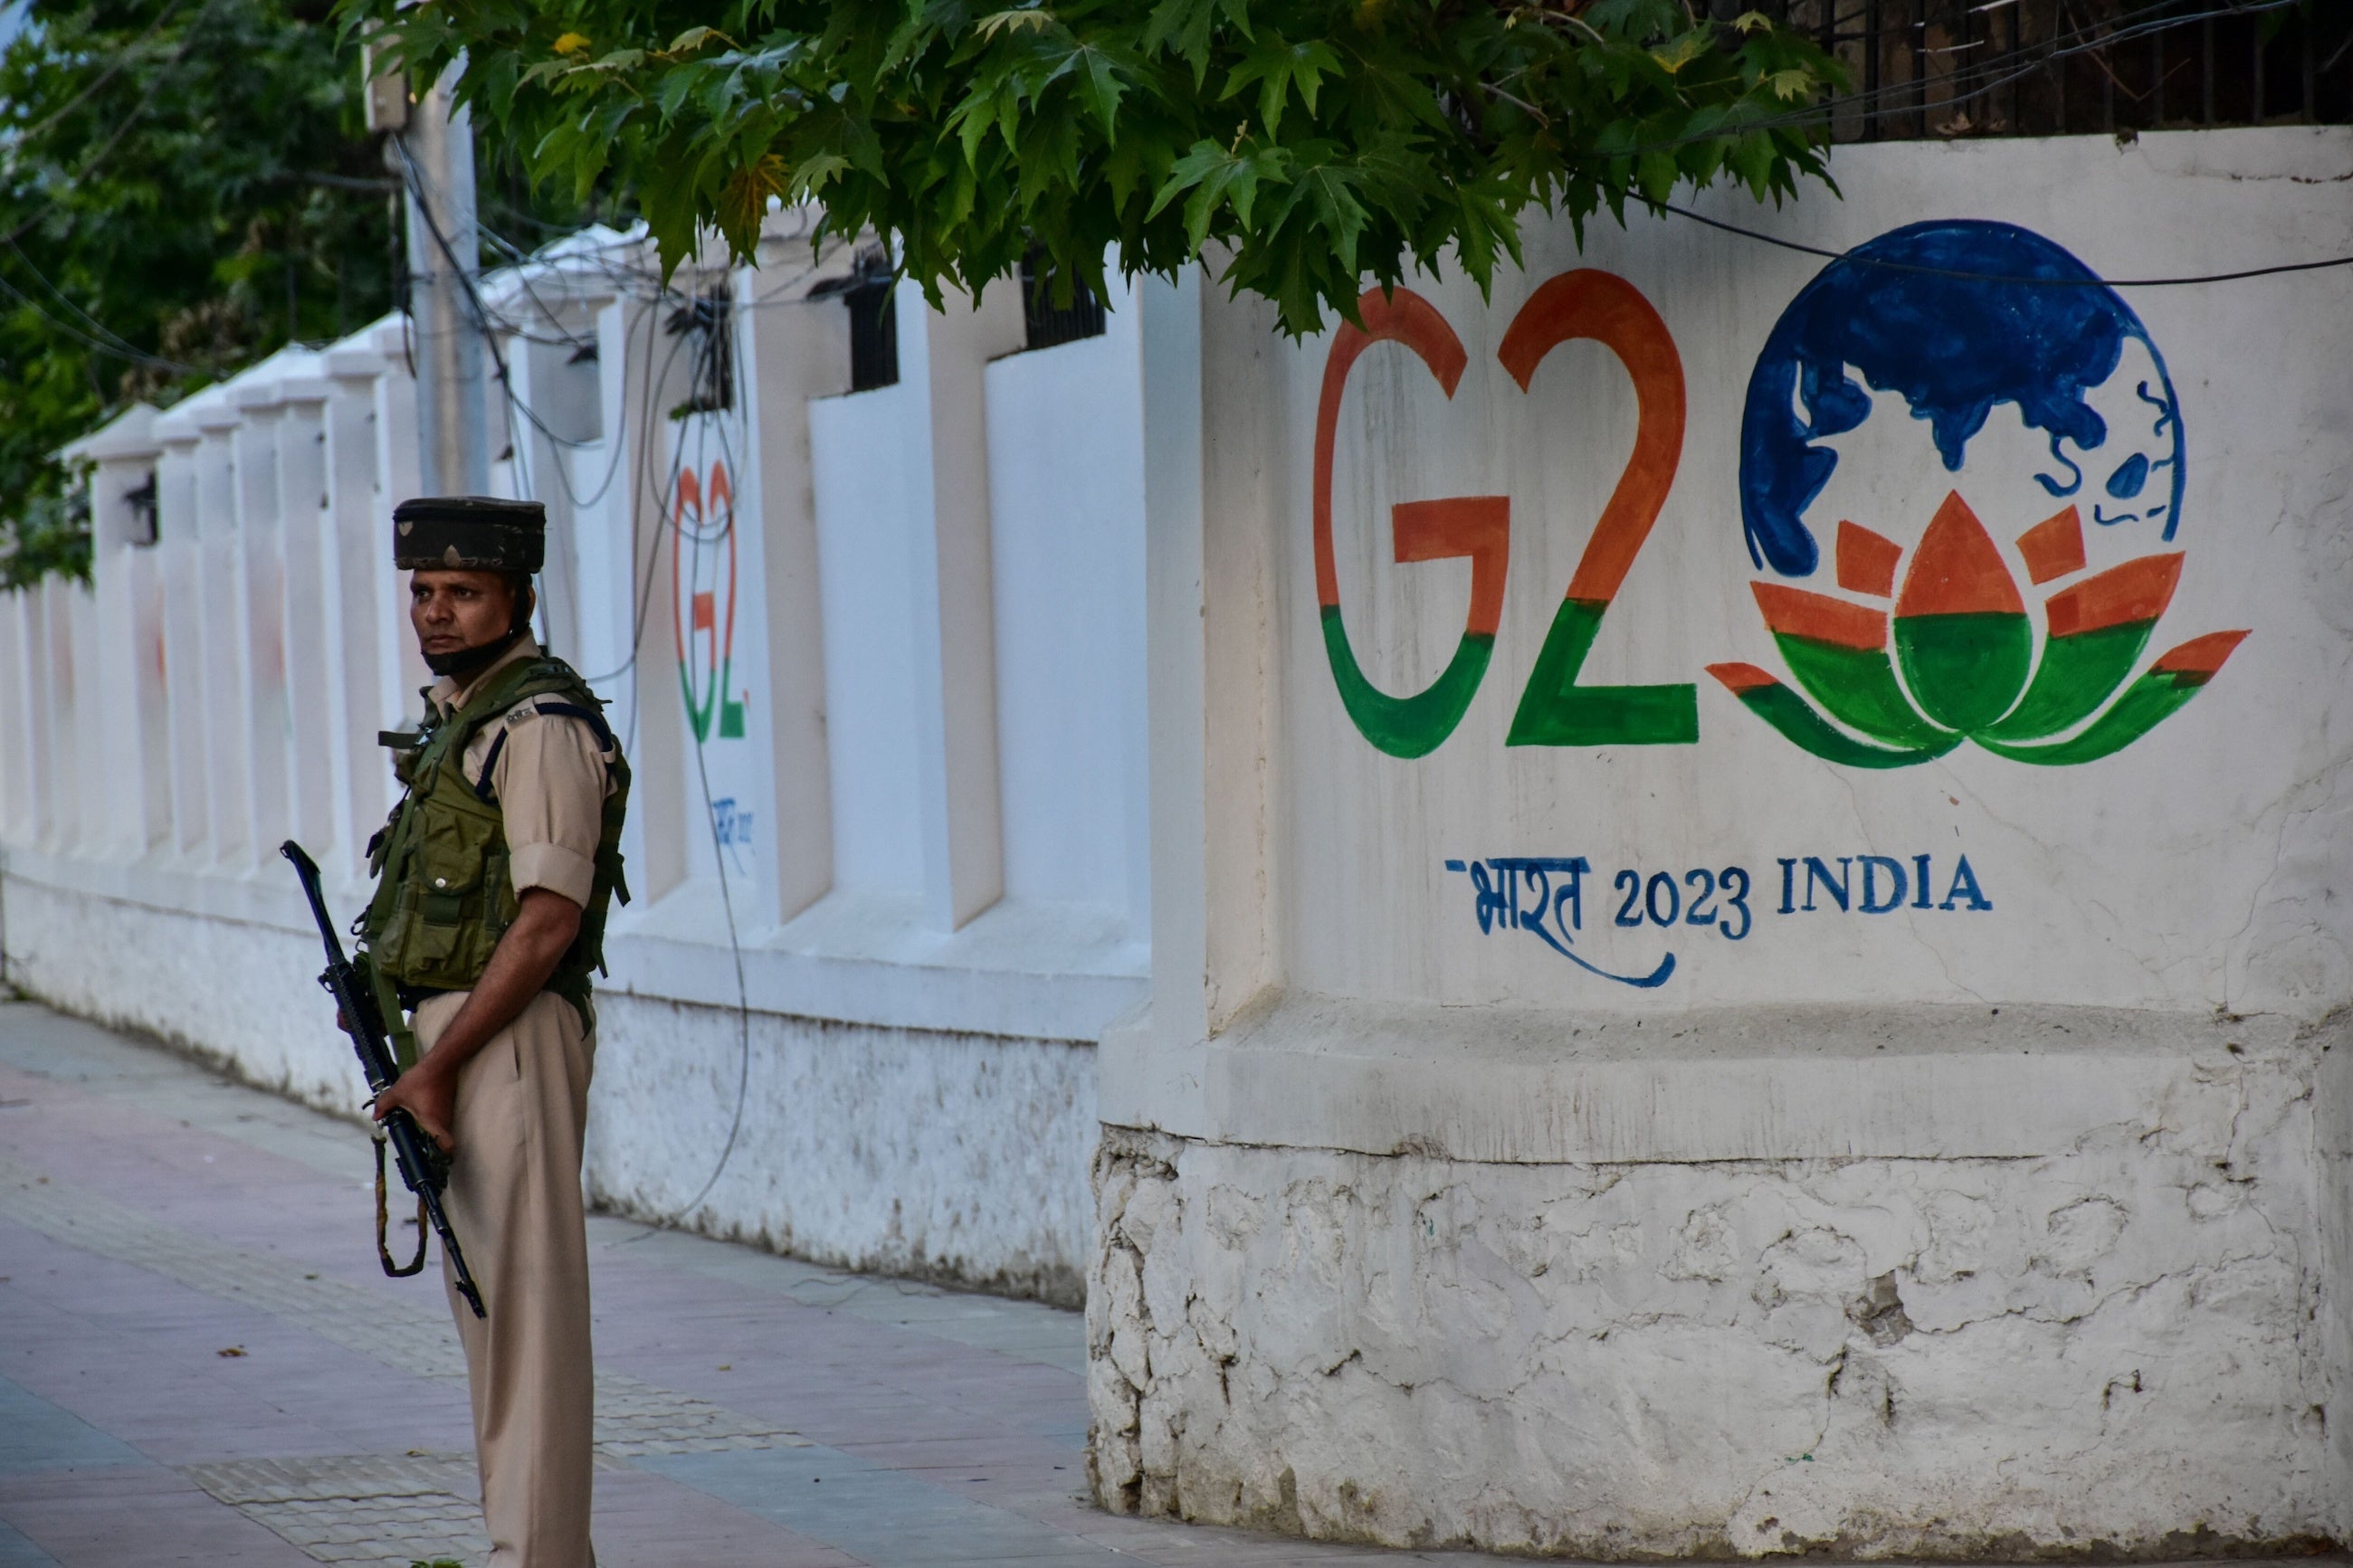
[(200, 1362)]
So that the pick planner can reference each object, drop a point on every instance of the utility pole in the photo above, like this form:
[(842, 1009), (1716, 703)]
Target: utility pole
[(432, 152)]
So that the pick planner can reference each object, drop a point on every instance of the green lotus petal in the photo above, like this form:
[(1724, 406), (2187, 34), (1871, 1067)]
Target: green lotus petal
[(2077, 674), (1857, 686), (1407, 726), (1786, 711), (1965, 669), (2146, 703)]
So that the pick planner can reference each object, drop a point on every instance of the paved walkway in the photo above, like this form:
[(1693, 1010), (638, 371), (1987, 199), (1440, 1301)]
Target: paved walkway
[(201, 1363)]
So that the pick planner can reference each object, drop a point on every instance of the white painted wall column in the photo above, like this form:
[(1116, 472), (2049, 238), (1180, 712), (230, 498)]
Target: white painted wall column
[(128, 667), (397, 480), (954, 623), (18, 798), (180, 563), (222, 599), (319, 768), (603, 571), (41, 780), (1066, 537), (361, 591), (260, 536), (93, 805), (659, 862), (1210, 386), (789, 351)]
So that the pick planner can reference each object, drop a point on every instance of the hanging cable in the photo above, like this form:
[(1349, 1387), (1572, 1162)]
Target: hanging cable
[(1963, 275)]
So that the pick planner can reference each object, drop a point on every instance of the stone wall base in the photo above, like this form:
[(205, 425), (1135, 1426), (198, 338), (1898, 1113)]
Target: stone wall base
[(2123, 1348)]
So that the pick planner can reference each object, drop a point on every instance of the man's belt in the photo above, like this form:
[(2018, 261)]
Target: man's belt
[(412, 998)]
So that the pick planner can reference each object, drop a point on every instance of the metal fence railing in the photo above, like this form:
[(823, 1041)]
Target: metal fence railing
[(1926, 68)]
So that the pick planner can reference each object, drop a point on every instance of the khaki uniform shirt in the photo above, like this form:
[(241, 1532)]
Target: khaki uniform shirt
[(550, 779)]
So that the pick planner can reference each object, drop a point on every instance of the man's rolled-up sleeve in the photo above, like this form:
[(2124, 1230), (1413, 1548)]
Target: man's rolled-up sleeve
[(550, 779)]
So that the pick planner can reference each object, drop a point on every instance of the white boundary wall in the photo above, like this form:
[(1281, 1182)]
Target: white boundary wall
[(925, 766), (1435, 1208)]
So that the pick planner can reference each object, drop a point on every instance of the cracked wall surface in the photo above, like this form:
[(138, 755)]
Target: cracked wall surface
[(2123, 1346)]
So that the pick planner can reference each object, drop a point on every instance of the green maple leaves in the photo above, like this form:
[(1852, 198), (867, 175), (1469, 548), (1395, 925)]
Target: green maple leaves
[(1316, 142)]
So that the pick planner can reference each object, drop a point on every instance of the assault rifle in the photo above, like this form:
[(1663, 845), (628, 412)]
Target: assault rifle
[(422, 1164)]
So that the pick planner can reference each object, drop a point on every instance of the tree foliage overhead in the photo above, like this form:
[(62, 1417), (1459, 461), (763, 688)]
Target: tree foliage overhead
[(1318, 141), (185, 187)]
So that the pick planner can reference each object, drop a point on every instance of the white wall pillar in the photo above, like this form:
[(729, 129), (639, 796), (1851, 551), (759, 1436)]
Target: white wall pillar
[(654, 709), (221, 600), (396, 479), (791, 352), (53, 706), (319, 772), (128, 661), (944, 354), (361, 590), (261, 535), (18, 792), (604, 573), (95, 798), (179, 560)]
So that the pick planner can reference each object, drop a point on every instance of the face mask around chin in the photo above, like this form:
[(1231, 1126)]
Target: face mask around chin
[(467, 660)]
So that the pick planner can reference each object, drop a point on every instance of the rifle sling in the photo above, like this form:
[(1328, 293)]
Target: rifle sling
[(384, 1221)]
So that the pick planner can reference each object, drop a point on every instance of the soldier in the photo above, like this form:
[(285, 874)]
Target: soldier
[(494, 874)]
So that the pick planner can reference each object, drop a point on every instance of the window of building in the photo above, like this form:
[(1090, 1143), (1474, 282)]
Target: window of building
[(1048, 323), (139, 512), (708, 321), (873, 333)]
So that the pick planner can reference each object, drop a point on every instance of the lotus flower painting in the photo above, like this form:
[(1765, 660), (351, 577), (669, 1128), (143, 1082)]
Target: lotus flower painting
[(1978, 385)]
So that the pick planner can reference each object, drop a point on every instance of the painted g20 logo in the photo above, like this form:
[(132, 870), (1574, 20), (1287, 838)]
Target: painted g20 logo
[(702, 599), (1959, 320), (1553, 709)]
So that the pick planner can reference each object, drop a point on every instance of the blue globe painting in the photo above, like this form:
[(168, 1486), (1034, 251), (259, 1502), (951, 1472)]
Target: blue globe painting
[(1984, 333), (1958, 316)]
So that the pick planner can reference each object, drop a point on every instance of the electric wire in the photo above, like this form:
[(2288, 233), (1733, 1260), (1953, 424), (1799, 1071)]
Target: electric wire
[(666, 515), (1966, 275), (122, 343), (95, 345), (711, 817)]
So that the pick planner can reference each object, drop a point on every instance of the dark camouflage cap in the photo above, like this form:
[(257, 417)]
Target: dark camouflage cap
[(479, 533)]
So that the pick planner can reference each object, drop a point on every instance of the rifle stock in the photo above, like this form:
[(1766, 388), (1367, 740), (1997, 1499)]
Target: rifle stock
[(422, 1167)]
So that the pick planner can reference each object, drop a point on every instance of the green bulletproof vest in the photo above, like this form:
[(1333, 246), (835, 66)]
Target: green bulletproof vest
[(444, 895)]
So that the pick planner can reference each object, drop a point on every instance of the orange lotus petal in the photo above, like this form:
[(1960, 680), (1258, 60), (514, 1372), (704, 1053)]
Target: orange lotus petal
[(1957, 568), (2137, 591), (1794, 612), (2200, 656), (1866, 561), (1741, 678), (2054, 546)]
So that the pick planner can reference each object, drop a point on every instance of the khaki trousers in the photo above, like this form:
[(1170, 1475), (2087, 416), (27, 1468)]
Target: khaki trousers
[(514, 1202)]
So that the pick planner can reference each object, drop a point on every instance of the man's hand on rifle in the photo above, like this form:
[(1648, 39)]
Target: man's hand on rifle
[(427, 1094)]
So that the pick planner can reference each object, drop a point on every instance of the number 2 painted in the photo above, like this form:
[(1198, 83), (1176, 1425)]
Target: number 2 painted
[(1553, 709)]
